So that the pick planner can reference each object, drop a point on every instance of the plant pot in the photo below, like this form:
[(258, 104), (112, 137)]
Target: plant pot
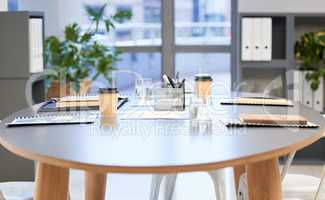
[(58, 89)]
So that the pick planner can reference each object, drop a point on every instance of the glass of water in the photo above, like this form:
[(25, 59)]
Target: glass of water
[(200, 119), (143, 89)]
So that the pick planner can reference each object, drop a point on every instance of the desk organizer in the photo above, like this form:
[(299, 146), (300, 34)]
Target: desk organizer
[(169, 99)]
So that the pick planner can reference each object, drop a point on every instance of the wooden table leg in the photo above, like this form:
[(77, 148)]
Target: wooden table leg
[(264, 182), (238, 171), (52, 183), (95, 186)]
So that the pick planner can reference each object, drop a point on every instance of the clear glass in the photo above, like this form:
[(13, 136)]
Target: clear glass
[(203, 22), (200, 117), (143, 88), (143, 29), (215, 64)]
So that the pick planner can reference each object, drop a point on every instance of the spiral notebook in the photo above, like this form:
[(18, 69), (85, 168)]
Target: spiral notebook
[(257, 101), (79, 102), (271, 120), (53, 119)]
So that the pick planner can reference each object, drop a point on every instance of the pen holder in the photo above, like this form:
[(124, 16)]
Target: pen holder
[(169, 99)]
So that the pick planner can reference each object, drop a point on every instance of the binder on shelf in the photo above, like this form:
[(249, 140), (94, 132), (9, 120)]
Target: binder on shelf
[(298, 85), (318, 97), (36, 62), (308, 93), (247, 38), (266, 33), (3, 5), (256, 39)]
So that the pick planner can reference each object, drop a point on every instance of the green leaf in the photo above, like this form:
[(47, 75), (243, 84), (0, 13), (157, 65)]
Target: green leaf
[(122, 16), (95, 13), (86, 37), (72, 32), (314, 85), (109, 25)]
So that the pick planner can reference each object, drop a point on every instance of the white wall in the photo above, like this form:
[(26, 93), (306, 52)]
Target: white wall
[(49, 7), (290, 6)]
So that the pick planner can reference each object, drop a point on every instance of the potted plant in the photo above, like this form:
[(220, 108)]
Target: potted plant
[(310, 52), (76, 60)]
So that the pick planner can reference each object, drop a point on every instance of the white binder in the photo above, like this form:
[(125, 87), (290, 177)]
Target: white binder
[(246, 38), (3, 5), (36, 62), (298, 86), (266, 33), (256, 39), (257, 36), (308, 93), (318, 103)]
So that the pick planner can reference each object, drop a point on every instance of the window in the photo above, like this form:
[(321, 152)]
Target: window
[(195, 34), (147, 65), (133, 65), (201, 22), (215, 64), (12, 5), (144, 29)]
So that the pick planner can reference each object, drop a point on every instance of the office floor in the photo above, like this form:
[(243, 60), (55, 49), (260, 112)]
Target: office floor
[(190, 186)]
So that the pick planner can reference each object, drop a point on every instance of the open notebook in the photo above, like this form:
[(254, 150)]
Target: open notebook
[(270, 120), (80, 102), (257, 101), (53, 119)]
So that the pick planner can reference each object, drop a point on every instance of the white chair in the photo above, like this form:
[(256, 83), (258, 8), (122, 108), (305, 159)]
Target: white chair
[(294, 186), (218, 177), (16, 190)]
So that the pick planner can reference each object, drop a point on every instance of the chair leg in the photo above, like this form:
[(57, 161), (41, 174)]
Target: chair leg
[(170, 186), (321, 185), (155, 186), (1, 196), (219, 178), (156, 183)]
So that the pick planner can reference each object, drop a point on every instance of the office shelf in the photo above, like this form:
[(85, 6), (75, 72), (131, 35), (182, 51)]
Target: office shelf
[(287, 29), (265, 64)]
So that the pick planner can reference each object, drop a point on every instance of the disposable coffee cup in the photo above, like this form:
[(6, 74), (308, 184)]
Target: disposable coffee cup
[(108, 121), (108, 101), (203, 85)]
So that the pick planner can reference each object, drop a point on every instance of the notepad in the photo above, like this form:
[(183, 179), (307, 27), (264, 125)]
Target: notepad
[(53, 119), (71, 103), (87, 97), (82, 101), (264, 120), (273, 119), (258, 101)]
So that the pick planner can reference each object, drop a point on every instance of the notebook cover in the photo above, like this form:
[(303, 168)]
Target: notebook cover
[(50, 106), (273, 119), (237, 123), (258, 101), (52, 119)]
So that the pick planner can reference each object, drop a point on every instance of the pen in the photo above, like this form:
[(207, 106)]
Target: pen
[(167, 81), (182, 83)]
